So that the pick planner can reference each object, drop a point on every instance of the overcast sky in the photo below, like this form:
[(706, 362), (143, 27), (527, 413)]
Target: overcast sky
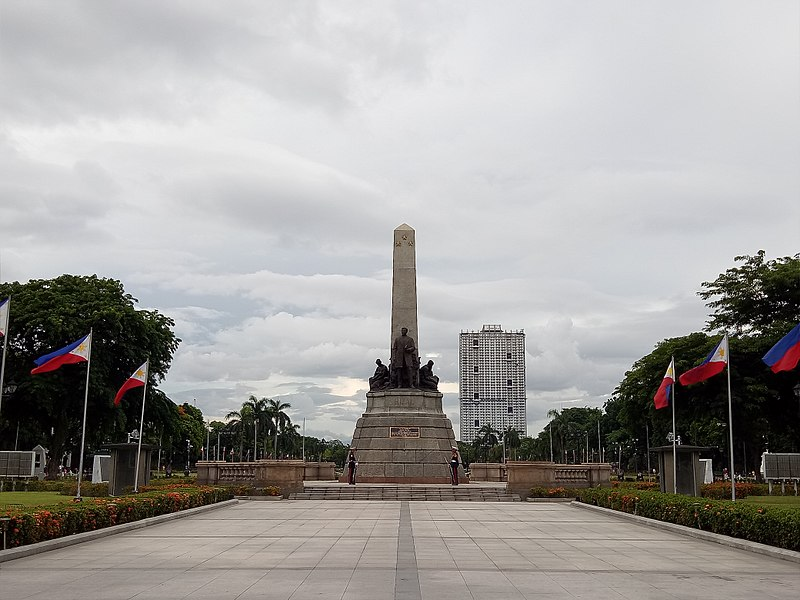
[(573, 169)]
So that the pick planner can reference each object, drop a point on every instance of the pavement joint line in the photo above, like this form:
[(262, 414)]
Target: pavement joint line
[(708, 536), (406, 582), (86, 536)]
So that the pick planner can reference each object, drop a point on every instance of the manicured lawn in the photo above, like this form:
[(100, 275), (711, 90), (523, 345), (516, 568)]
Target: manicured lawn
[(784, 501), (32, 499)]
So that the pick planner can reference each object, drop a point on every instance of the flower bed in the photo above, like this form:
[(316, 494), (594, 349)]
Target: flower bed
[(721, 490), (775, 526), (559, 492), (46, 523)]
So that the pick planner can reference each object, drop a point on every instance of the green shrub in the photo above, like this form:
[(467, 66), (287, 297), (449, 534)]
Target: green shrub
[(775, 526), (47, 485), (636, 485), (90, 514), (88, 489)]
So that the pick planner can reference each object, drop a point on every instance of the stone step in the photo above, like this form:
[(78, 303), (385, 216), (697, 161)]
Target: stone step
[(463, 493)]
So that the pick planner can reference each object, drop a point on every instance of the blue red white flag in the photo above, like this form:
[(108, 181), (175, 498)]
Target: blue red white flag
[(138, 379), (714, 364), (662, 397), (4, 316), (785, 355), (74, 353)]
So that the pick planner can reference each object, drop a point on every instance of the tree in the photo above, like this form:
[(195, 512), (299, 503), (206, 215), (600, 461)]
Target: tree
[(571, 427), (759, 297), (486, 438), (280, 420), (49, 314), (511, 439)]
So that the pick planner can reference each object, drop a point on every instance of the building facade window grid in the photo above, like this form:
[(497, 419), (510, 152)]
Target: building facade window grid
[(492, 380)]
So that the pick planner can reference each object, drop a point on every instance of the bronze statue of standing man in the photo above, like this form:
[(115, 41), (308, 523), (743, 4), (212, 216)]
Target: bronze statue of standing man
[(405, 361)]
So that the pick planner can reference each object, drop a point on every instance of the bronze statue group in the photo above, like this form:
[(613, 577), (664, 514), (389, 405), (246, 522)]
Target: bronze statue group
[(404, 370)]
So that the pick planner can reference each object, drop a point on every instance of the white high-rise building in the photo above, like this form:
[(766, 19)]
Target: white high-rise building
[(491, 380)]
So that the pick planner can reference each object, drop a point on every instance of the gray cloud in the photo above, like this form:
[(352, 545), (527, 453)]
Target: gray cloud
[(571, 170)]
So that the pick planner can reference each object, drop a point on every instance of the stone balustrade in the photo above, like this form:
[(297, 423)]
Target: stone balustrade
[(487, 472), (522, 476), (288, 475)]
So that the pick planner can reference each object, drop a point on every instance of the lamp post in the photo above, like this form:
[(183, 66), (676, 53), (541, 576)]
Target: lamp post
[(255, 439), (187, 470), (796, 390)]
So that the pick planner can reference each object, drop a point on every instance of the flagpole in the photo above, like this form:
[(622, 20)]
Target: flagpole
[(5, 347), (674, 437), (730, 417), (141, 428), (83, 428)]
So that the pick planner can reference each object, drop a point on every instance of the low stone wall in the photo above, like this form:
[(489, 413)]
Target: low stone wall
[(522, 476), (288, 475), (487, 472)]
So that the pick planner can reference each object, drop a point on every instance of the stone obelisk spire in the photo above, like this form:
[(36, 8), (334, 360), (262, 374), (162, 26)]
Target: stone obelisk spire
[(404, 284)]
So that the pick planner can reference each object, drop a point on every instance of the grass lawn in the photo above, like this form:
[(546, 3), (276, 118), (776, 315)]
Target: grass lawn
[(784, 501), (28, 499)]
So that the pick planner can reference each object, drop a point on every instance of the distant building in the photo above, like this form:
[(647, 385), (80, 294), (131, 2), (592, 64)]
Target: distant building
[(491, 380)]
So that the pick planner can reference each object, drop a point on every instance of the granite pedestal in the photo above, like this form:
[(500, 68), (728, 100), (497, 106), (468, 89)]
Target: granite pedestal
[(404, 437)]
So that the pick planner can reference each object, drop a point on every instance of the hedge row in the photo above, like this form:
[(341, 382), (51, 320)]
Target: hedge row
[(775, 526), (37, 525)]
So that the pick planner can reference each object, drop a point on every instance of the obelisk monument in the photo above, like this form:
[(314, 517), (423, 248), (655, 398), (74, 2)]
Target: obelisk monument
[(404, 284), (404, 436)]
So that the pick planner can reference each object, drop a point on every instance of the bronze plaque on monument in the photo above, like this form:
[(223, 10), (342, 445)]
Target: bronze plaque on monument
[(403, 432)]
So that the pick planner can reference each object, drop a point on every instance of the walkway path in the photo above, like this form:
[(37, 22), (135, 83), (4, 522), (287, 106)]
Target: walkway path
[(358, 550)]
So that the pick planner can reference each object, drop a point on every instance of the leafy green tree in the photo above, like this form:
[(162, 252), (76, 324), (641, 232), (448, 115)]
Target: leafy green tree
[(49, 314), (759, 297), (336, 452), (467, 452), (756, 303)]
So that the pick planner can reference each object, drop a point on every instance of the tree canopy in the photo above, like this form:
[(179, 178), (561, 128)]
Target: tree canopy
[(756, 303), (46, 315)]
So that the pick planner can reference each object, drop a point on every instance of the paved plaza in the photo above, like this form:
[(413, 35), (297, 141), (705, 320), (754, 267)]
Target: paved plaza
[(358, 550)]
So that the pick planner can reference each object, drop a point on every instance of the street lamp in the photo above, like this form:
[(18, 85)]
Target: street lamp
[(187, 470), (795, 389)]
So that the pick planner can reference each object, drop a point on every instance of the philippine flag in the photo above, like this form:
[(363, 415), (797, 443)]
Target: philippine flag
[(662, 396), (4, 316), (138, 379), (785, 355), (713, 364), (74, 353)]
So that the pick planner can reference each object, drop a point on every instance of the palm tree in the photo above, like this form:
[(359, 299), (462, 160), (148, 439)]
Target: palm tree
[(486, 438), (250, 417), (511, 439), (240, 422), (280, 420)]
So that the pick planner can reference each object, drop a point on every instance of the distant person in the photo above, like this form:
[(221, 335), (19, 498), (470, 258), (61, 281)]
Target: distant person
[(454, 466), (352, 465)]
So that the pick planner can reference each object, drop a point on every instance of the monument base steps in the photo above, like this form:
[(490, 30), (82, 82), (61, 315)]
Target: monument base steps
[(412, 492)]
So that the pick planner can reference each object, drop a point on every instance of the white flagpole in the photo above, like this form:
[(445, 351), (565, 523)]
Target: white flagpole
[(141, 427), (674, 437), (730, 415), (83, 429), (5, 347)]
